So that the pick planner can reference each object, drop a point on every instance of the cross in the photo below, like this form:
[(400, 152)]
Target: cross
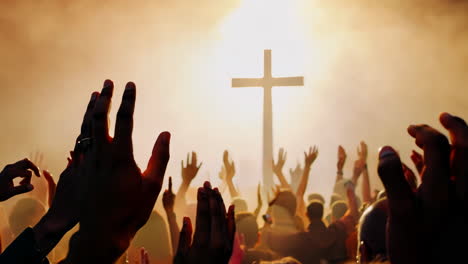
[(267, 82)]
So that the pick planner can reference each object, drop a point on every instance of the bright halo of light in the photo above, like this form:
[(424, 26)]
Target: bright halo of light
[(257, 25)]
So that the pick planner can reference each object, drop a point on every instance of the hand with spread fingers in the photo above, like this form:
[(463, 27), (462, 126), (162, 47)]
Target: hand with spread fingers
[(190, 169), (21, 169), (214, 232), (278, 168), (425, 226), (116, 197)]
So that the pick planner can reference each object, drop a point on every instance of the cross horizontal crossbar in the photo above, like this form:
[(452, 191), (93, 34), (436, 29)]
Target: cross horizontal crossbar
[(267, 82)]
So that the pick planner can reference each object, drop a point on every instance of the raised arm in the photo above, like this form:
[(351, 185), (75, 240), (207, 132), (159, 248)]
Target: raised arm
[(360, 167), (168, 203), (309, 158), (188, 172), (340, 164), (230, 169), (278, 168)]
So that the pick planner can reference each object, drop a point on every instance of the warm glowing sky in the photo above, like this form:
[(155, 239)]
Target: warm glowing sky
[(370, 70)]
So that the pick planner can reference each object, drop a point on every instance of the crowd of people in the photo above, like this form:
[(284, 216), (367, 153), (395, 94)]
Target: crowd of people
[(101, 210)]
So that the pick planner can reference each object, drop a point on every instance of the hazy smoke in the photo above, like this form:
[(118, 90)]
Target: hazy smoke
[(385, 64)]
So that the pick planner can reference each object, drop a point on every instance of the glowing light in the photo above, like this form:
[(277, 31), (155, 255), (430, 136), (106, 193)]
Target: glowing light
[(257, 25)]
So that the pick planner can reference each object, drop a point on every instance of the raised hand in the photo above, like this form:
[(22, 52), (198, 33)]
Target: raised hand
[(190, 170), (362, 151), (341, 162), (311, 156), (359, 167), (229, 166), (169, 198), (21, 169), (117, 197), (424, 226), (278, 166), (214, 233), (418, 161)]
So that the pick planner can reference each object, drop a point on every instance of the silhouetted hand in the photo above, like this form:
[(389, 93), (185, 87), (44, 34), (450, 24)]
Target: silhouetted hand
[(214, 233), (169, 198), (425, 226), (21, 169), (117, 197), (278, 166), (190, 170), (311, 156), (341, 159), (229, 167), (418, 161), (63, 213)]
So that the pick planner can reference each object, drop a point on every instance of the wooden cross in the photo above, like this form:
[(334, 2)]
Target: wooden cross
[(267, 82)]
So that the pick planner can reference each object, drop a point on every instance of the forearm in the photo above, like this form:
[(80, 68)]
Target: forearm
[(173, 229), (232, 189), (303, 183), (339, 175), (284, 183), (180, 196), (366, 190)]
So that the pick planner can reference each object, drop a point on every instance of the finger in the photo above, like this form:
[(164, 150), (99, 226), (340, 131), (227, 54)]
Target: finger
[(26, 164), (87, 118), (15, 172), (436, 176), (398, 191), (185, 240), (100, 121), (225, 156), (201, 163), (154, 174), (218, 220), (458, 130), (188, 159), (194, 158), (21, 189), (203, 221), (124, 123), (48, 176)]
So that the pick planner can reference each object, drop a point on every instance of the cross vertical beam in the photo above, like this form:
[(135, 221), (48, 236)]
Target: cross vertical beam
[(267, 82)]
